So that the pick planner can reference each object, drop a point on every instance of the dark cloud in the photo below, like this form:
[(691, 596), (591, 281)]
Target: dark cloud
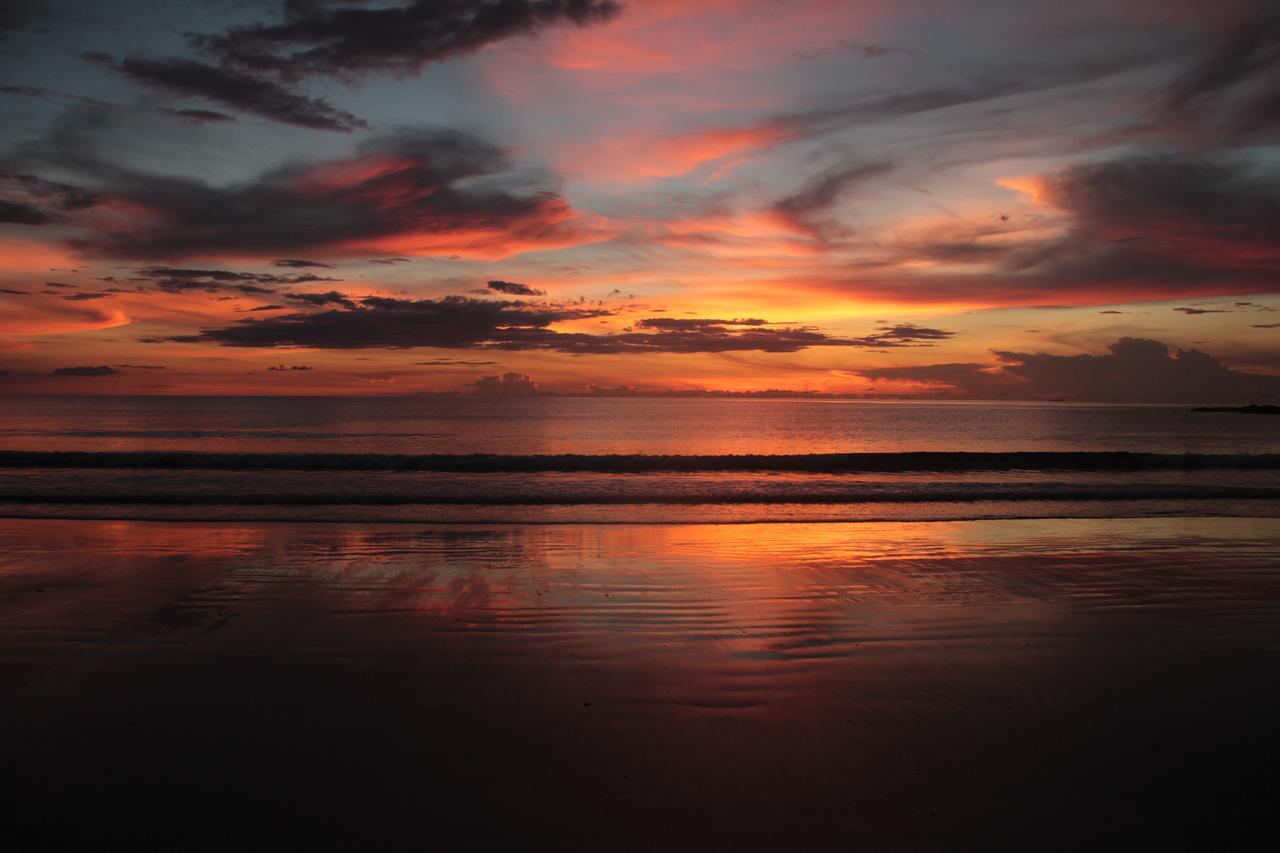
[(965, 378), (427, 186), (461, 322), (142, 366), (672, 323), (390, 261), (100, 370), (1192, 197), (452, 322), (201, 116), (1267, 326), (180, 279), (333, 297), (282, 368), (904, 334), (299, 263), (84, 297), (1194, 311), (506, 385), (1243, 67), (18, 213), (16, 16), (1134, 370), (702, 339), (268, 308), (1154, 226), (234, 89), (1163, 220), (347, 38), (515, 288), (29, 200), (804, 208), (15, 292)]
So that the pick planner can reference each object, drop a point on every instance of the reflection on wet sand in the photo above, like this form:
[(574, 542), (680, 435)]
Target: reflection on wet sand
[(895, 685)]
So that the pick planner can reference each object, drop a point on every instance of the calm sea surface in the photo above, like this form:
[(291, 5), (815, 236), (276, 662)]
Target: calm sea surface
[(255, 437), (415, 425)]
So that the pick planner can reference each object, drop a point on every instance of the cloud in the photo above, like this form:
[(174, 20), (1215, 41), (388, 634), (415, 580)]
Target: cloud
[(28, 200), (515, 288), (1194, 311), (321, 37), (701, 339), (506, 385), (1162, 220), (180, 279), (711, 144), (18, 213), (903, 334), (431, 192), (802, 209), (299, 263), (100, 370), (457, 322), (1133, 370), (282, 368), (18, 15), (234, 89), (674, 323), (1153, 226), (199, 116), (345, 39), (85, 297), (1242, 71), (64, 99), (452, 322), (333, 297)]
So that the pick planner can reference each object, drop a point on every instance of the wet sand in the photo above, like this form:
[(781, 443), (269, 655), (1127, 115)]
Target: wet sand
[(1063, 684)]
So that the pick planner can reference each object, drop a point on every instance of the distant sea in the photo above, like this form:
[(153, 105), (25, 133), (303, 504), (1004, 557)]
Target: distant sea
[(636, 460)]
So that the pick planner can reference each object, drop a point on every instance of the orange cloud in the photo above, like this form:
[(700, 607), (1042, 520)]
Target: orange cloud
[(35, 315), (19, 257)]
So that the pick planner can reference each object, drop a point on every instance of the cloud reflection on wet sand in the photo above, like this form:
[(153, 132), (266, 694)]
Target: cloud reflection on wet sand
[(904, 685)]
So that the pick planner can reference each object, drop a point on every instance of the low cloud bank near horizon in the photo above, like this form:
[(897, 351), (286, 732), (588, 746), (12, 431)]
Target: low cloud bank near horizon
[(1133, 370)]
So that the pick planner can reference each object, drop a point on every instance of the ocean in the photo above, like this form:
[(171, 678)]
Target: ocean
[(637, 624), (587, 460)]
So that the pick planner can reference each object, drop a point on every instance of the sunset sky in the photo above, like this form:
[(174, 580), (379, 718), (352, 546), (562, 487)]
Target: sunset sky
[(986, 199)]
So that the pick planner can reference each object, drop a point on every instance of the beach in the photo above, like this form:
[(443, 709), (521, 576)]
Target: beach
[(1007, 684)]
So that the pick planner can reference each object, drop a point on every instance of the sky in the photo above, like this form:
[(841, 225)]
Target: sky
[(1025, 200)]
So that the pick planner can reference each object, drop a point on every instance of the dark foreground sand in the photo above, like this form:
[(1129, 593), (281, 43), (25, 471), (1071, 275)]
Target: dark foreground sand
[(996, 685)]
